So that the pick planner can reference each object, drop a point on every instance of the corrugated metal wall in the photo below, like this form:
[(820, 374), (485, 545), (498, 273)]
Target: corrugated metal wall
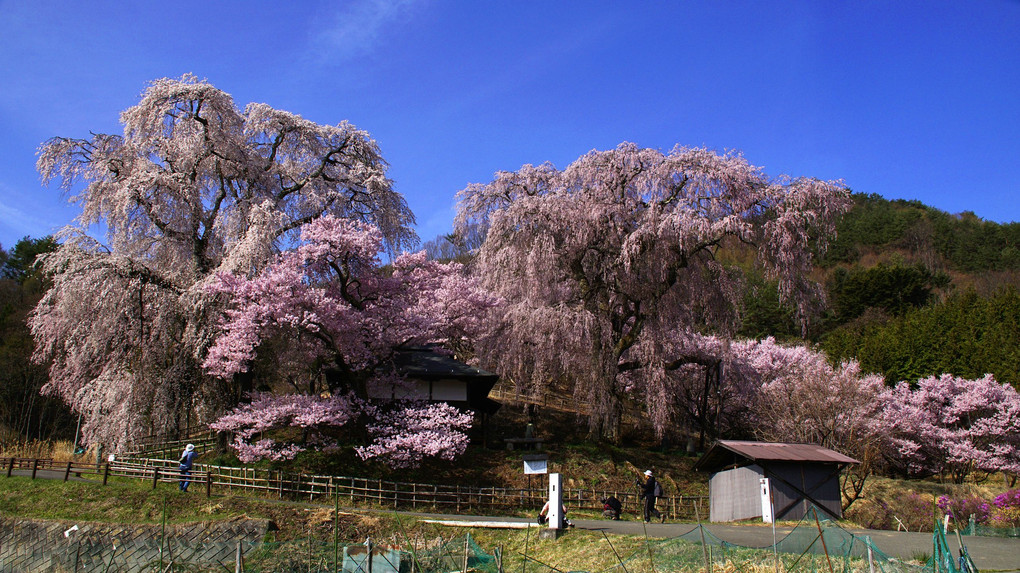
[(735, 493)]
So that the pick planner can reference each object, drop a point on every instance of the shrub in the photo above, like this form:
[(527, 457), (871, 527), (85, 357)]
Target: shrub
[(1005, 517), (1006, 509), (961, 508)]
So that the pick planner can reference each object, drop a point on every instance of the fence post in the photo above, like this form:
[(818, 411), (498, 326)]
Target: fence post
[(35, 467), (67, 473), (10, 466), (155, 477), (208, 483), (871, 556), (106, 473)]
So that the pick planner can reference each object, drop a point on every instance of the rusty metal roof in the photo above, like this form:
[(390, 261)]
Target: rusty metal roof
[(725, 453)]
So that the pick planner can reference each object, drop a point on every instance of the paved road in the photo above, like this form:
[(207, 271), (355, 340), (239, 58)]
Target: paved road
[(989, 553)]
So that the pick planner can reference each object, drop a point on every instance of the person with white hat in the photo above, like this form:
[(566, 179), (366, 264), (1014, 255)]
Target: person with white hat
[(650, 490), (187, 460)]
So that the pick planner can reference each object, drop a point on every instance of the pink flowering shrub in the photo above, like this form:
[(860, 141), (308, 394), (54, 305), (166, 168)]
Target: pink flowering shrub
[(1006, 509), (961, 508), (267, 414), (403, 434)]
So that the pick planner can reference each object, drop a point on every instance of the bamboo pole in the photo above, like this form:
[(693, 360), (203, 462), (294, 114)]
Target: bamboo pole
[(821, 536)]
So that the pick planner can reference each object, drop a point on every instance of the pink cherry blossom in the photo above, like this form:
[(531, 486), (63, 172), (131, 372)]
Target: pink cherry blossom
[(952, 425), (604, 262), (192, 188), (333, 292)]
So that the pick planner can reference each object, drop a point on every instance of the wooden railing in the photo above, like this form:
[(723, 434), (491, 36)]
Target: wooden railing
[(506, 393), (356, 491), (202, 437)]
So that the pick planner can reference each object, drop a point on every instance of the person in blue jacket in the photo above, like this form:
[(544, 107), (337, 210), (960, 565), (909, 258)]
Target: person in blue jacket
[(187, 460)]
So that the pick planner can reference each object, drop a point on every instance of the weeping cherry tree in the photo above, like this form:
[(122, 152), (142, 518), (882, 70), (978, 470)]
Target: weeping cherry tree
[(603, 262), (193, 186)]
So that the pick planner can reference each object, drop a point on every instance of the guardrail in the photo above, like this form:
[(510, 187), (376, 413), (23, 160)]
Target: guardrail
[(355, 491)]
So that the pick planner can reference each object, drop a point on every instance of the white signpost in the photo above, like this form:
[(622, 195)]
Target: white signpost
[(766, 500), (555, 501)]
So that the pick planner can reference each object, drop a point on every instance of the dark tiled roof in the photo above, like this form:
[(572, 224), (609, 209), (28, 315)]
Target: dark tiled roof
[(730, 452), (423, 363)]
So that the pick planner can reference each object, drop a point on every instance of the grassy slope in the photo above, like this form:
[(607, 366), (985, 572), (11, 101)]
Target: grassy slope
[(135, 502)]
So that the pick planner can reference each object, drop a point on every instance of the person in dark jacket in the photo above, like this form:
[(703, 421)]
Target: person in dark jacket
[(650, 490), (187, 460), (611, 508)]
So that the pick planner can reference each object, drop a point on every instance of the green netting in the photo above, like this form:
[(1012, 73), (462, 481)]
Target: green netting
[(307, 556), (943, 560), (987, 531), (815, 545), (454, 555)]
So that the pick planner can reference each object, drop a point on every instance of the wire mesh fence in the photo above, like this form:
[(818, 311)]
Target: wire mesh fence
[(814, 546)]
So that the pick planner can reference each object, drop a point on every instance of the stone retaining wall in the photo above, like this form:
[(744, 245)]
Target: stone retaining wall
[(37, 546)]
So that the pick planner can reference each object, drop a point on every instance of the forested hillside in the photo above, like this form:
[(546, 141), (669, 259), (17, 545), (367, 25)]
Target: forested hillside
[(960, 243), (911, 292), (23, 411)]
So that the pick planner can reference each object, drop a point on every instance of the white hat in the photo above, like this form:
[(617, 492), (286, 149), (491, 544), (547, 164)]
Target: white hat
[(189, 448), (648, 473)]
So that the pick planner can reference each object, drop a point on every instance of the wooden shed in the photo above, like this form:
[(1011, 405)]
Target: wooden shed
[(436, 377), (800, 475)]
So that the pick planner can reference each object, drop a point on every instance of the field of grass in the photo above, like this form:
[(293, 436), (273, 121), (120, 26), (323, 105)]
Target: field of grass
[(304, 526)]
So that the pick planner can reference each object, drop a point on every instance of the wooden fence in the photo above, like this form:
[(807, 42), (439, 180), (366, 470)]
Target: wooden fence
[(202, 437), (356, 491)]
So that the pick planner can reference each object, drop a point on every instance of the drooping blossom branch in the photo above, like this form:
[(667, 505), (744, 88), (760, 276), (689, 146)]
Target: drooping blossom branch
[(604, 258)]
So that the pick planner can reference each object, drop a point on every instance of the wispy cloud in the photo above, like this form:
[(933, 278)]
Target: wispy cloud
[(22, 214), (15, 223), (358, 28)]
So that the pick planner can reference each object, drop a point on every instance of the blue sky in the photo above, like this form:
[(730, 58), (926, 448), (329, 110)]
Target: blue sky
[(915, 100)]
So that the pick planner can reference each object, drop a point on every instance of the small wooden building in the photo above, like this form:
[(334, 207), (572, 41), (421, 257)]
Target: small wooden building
[(800, 475), (436, 377)]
